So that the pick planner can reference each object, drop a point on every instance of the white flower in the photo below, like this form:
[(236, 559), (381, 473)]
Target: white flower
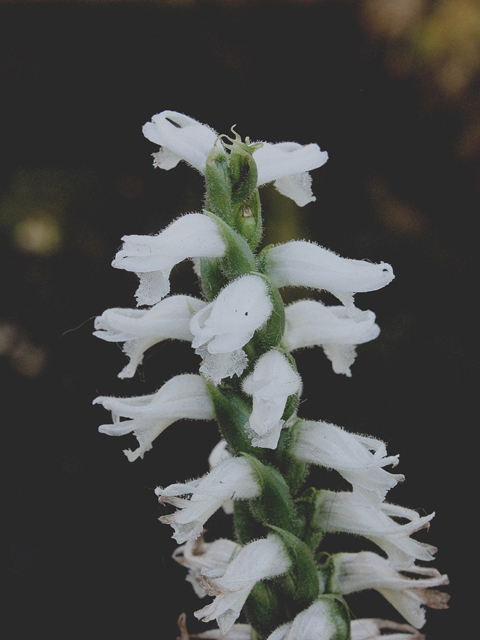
[(366, 570), (286, 163), (309, 323), (358, 459), (218, 454), (152, 258), (140, 329), (270, 384), (197, 555), (183, 397), (305, 264), (371, 629), (259, 560), (225, 325), (318, 622), (345, 512), (231, 479)]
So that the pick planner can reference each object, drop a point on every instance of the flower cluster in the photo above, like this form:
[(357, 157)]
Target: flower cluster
[(277, 574)]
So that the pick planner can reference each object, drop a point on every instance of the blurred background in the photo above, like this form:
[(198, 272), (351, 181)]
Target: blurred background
[(390, 88)]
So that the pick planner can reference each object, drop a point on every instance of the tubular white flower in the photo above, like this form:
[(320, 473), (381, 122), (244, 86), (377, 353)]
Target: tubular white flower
[(225, 325), (231, 479), (358, 459), (305, 264), (365, 570), (183, 397), (286, 163), (180, 138), (309, 323), (218, 454), (371, 629), (140, 329), (270, 384), (197, 555), (345, 512), (152, 258), (258, 560), (318, 622)]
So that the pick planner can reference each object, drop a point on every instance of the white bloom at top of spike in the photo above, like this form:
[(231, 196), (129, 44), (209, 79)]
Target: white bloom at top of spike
[(140, 329), (270, 384), (304, 264), (371, 629), (183, 397), (225, 325), (258, 560), (286, 164), (309, 323), (345, 512), (152, 258), (197, 555), (318, 622), (358, 459), (232, 478), (366, 570)]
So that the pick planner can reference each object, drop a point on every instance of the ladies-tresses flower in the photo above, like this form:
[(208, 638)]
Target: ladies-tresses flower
[(309, 323), (365, 570), (231, 479), (270, 384), (181, 398), (358, 459), (197, 555), (345, 512), (258, 560), (152, 258), (319, 622), (286, 164), (225, 325), (371, 629), (140, 329), (218, 454), (304, 264)]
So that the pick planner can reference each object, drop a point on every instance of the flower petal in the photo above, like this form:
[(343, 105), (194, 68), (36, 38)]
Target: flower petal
[(304, 264), (183, 397), (180, 138), (152, 258)]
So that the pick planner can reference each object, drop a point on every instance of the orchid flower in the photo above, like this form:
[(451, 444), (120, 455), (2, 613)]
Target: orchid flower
[(366, 570), (319, 622), (259, 560), (309, 323), (224, 326), (198, 555), (152, 258), (270, 384), (181, 398), (232, 478), (350, 514), (140, 329), (358, 459), (305, 264)]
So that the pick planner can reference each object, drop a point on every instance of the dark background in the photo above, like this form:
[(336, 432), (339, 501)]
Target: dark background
[(391, 90)]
